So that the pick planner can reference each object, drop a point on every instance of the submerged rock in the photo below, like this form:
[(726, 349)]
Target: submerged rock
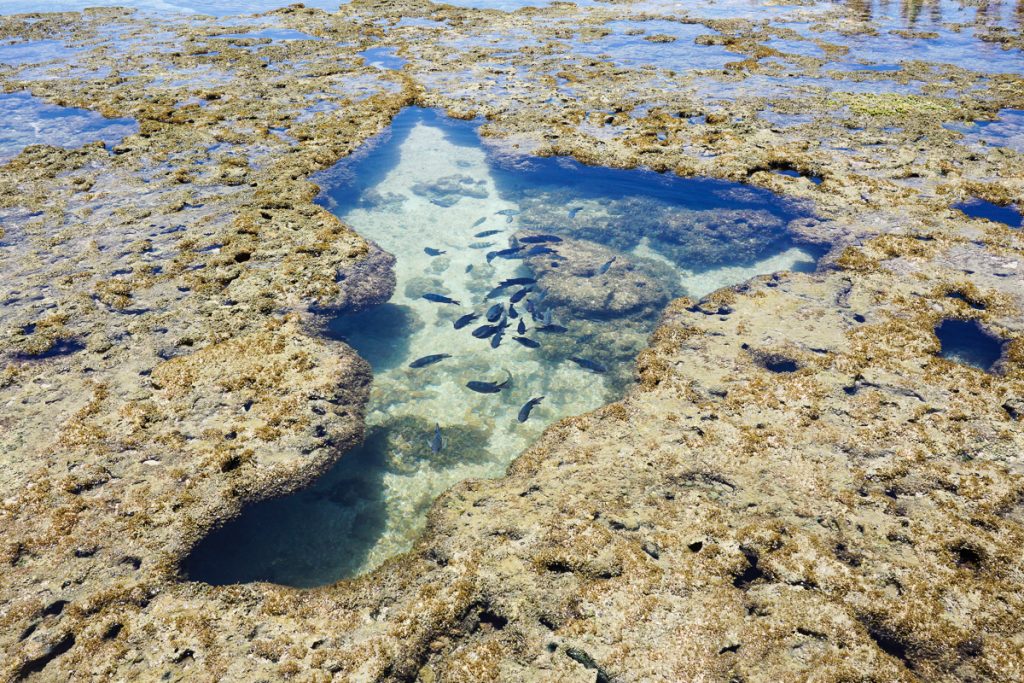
[(573, 279)]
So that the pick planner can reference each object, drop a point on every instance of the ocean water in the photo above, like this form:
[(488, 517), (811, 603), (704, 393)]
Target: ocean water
[(1007, 130), (29, 120), (629, 242)]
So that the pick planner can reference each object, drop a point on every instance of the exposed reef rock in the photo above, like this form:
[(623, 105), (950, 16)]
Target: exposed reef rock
[(799, 486)]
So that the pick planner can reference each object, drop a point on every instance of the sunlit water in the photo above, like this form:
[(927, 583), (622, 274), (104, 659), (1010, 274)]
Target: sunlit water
[(429, 183)]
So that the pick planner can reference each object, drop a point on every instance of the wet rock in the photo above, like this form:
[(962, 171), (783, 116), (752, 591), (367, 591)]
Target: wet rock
[(449, 190)]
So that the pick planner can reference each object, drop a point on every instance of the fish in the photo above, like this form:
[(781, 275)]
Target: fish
[(469, 268), (538, 250), (440, 299), (527, 342), (518, 296), (531, 308), (480, 245), (430, 251), (541, 295), (489, 387), (508, 219), (522, 326), (524, 412), (487, 233), (587, 364), (496, 292), (503, 253), (508, 212), (512, 312), (429, 360), (496, 339), (539, 239), (437, 442), (485, 331), (554, 329), (517, 281), (574, 210), (480, 221), (494, 312), (545, 319), (605, 266), (465, 320)]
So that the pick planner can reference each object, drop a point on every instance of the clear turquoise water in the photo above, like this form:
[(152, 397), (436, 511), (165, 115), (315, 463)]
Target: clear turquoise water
[(430, 183)]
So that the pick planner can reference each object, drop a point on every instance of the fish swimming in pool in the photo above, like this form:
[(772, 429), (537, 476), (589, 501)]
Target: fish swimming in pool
[(605, 266), (540, 239), (429, 360), (465, 320), (527, 342), (481, 245), (587, 364), (524, 412), (487, 233), (522, 326), (440, 299), (430, 251), (518, 296), (517, 281), (494, 312), (489, 387), (508, 212), (480, 221), (485, 331), (437, 442)]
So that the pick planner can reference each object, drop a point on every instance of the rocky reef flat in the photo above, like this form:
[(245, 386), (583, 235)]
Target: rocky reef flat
[(811, 471)]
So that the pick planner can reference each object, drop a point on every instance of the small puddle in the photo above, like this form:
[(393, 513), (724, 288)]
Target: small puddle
[(29, 120), (607, 249), (967, 342), (383, 58), (979, 208)]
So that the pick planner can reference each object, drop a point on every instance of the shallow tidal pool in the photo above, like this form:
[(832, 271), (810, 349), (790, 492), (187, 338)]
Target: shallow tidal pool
[(591, 255)]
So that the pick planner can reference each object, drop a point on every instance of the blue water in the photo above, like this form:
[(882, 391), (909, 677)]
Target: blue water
[(29, 120), (967, 342), (383, 58), (629, 242), (625, 47), (979, 208), (1006, 130), (19, 53), (274, 34)]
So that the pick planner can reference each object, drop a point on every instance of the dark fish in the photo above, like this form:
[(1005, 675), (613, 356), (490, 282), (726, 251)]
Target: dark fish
[(527, 342), (436, 443), (480, 221), (538, 250), (574, 210), (531, 308), (469, 268), (554, 329), (509, 219), (518, 296), (605, 266), (485, 331), (440, 299), (489, 387), (503, 253), (495, 293), (545, 319), (465, 320), (494, 312), (487, 233), (430, 251), (512, 312), (517, 281), (539, 239), (522, 326), (496, 339), (481, 245), (524, 412), (586, 364), (429, 360), (507, 212)]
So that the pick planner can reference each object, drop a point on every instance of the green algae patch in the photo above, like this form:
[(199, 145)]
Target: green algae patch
[(891, 105)]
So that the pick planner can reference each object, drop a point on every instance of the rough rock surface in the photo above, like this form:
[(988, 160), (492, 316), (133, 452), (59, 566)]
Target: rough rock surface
[(798, 487)]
